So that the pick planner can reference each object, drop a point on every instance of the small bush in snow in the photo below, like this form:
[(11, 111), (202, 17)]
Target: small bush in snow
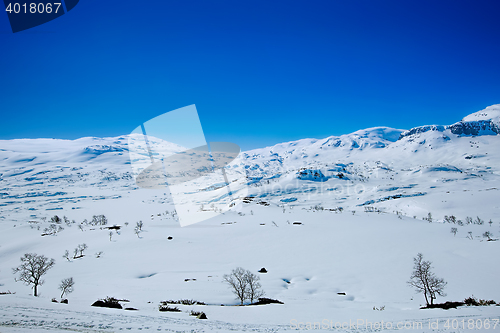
[(66, 255), (472, 301), (488, 235), (167, 308), (99, 220), (78, 251), (183, 302), (428, 218), (195, 313), (450, 219), (55, 219), (139, 225)]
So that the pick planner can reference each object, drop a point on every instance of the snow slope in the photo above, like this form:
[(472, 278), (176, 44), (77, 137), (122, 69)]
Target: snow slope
[(358, 201)]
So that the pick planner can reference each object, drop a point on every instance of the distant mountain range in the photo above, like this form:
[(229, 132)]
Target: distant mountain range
[(424, 169)]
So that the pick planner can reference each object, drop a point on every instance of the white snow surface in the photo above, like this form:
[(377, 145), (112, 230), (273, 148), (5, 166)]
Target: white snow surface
[(357, 200), (490, 113)]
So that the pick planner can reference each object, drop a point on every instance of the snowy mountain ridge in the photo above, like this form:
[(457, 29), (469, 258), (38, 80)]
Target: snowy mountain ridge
[(484, 122), (54, 171)]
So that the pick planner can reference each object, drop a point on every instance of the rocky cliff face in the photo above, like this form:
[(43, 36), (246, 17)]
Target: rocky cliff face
[(484, 122), (479, 127)]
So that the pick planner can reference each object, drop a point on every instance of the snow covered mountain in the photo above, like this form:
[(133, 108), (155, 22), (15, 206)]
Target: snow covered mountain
[(380, 166), (335, 221)]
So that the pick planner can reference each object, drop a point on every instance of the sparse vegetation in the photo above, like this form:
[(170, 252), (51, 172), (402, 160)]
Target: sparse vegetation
[(428, 218), (52, 230), (370, 209)]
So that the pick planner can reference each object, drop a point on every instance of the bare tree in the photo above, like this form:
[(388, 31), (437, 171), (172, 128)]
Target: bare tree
[(66, 255), (55, 219), (32, 268), (454, 231), (254, 288), (244, 284), (424, 281), (429, 218), (81, 248), (66, 286), (139, 225), (67, 221), (78, 252), (237, 282), (99, 220), (450, 219)]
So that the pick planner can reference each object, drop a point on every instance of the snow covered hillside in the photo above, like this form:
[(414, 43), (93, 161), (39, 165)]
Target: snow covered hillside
[(336, 222)]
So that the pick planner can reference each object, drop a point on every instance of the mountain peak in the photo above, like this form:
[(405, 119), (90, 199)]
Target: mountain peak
[(491, 113)]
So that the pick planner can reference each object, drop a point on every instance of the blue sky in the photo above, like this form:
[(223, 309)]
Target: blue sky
[(259, 72)]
